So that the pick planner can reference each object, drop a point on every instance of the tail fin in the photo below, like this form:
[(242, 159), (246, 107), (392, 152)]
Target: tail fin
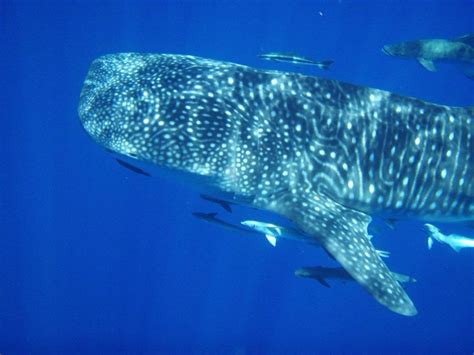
[(325, 64)]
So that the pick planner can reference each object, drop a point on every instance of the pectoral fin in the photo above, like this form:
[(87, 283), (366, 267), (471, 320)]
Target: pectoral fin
[(456, 248), (323, 282), (427, 64), (430, 243), (271, 239), (343, 233)]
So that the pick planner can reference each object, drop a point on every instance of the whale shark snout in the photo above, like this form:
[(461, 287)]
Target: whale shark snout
[(106, 110)]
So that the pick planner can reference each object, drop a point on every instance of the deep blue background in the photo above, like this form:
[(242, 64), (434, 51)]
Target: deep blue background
[(93, 257)]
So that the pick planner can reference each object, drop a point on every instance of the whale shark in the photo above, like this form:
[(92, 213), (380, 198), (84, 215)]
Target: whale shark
[(324, 154)]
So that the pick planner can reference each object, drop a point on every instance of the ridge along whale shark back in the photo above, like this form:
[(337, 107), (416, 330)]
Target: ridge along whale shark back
[(325, 154)]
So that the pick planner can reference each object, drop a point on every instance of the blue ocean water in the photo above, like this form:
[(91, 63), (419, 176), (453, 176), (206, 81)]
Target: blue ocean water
[(94, 258)]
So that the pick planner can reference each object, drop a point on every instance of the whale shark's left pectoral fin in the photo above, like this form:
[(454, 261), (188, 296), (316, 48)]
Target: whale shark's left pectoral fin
[(343, 233), (427, 64)]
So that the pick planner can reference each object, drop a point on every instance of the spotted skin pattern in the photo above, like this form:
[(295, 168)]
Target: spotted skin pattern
[(325, 154)]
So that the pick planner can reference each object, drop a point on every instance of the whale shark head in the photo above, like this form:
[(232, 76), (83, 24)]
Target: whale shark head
[(108, 102), (155, 108)]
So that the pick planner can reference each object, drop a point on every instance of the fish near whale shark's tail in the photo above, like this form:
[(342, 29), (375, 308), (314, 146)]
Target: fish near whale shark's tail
[(343, 233)]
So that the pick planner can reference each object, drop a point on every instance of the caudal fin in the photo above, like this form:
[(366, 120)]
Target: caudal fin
[(325, 64)]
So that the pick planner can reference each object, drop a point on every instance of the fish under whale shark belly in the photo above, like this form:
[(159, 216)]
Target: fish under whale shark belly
[(325, 154)]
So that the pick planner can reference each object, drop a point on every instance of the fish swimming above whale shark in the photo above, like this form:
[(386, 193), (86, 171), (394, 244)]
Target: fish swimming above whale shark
[(458, 50), (324, 154), (295, 59)]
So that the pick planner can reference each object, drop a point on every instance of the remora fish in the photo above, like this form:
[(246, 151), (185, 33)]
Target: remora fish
[(295, 59), (131, 167), (426, 51), (211, 217), (455, 241), (273, 232), (223, 203), (325, 154), (321, 274)]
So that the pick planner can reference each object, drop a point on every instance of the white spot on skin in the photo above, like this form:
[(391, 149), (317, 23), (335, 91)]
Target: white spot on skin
[(230, 81), (350, 184), (371, 188)]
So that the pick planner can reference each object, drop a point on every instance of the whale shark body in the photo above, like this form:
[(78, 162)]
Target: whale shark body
[(324, 154)]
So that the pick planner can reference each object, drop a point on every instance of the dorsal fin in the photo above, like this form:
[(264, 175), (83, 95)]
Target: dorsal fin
[(466, 39)]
